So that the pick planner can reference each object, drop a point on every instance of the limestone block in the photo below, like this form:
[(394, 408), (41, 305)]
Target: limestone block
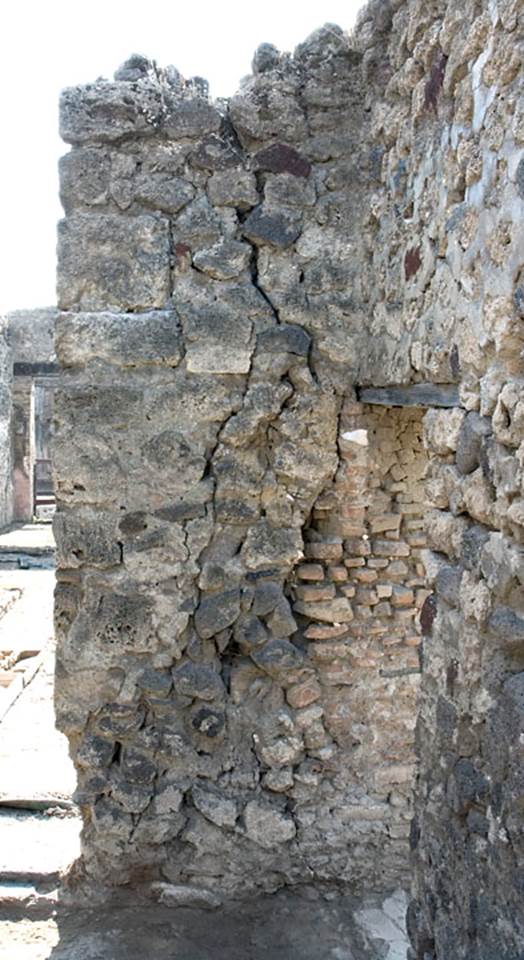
[(218, 340), (442, 430), (223, 261), (279, 658), (233, 188), (161, 191), (475, 598), (214, 806), (109, 263), (127, 340), (278, 228), (330, 611), (508, 417), (197, 680), (267, 546), (445, 532), (472, 431), (108, 112), (216, 612), (267, 826), (87, 536), (189, 117), (197, 226), (85, 177)]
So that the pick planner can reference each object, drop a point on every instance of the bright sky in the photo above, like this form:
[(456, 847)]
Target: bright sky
[(50, 44)]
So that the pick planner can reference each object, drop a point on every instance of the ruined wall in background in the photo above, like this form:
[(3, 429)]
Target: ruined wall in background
[(30, 338), (5, 423), (445, 232)]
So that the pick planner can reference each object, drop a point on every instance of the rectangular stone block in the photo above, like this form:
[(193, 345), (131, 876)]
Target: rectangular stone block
[(330, 611), (310, 571), (323, 551), (125, 340), (108, 262)]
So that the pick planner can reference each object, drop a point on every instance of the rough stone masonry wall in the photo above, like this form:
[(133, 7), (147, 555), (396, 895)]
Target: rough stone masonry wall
[(5, 424), (212, 318), (365, 200), (445, 233)]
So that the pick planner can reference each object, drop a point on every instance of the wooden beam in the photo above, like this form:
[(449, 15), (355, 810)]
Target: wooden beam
[(412, 395)]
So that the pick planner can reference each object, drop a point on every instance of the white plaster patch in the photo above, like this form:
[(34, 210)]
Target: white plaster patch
[(387, 923), (482, 97), (357, 436)]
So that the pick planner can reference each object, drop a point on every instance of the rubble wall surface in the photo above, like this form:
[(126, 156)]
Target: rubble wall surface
[(6, 493), (445, 236), (209, 332), (241, 549)]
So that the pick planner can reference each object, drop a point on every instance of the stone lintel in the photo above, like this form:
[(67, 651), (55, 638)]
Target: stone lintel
[(411, 395)]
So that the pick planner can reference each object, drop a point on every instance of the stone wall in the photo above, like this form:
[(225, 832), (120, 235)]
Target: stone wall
[(445, 233), (209, 334), (241, 543), (5, 423)]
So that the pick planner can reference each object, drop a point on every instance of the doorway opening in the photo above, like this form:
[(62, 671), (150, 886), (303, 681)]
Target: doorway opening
[(38, 823)]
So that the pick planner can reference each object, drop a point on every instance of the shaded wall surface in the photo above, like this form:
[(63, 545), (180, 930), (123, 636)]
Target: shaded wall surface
[(5, 424), (446, 241), (242, 549)]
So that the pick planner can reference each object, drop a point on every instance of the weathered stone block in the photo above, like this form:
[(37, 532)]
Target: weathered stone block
[(442, 429), (278, 228), (197, 681), (474, 428), (127, 340), (233, 188), (278, 658), (267, 546), (109, 263), (266, 826), (108, 112), (223, 261), (330, 611), (218, 340), (216, 612)]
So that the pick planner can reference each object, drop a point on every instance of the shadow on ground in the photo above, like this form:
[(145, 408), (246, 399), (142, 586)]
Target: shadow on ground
[(285, 926)]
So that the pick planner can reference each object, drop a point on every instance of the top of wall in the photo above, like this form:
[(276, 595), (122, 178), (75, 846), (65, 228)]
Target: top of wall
[(146, 100)]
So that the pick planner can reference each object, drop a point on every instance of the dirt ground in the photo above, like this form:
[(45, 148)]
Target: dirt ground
[(285, 926)]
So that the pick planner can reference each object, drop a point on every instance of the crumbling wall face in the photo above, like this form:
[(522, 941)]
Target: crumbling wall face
[(448, 239), (212, 318), (362, 585), (5, 427)]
